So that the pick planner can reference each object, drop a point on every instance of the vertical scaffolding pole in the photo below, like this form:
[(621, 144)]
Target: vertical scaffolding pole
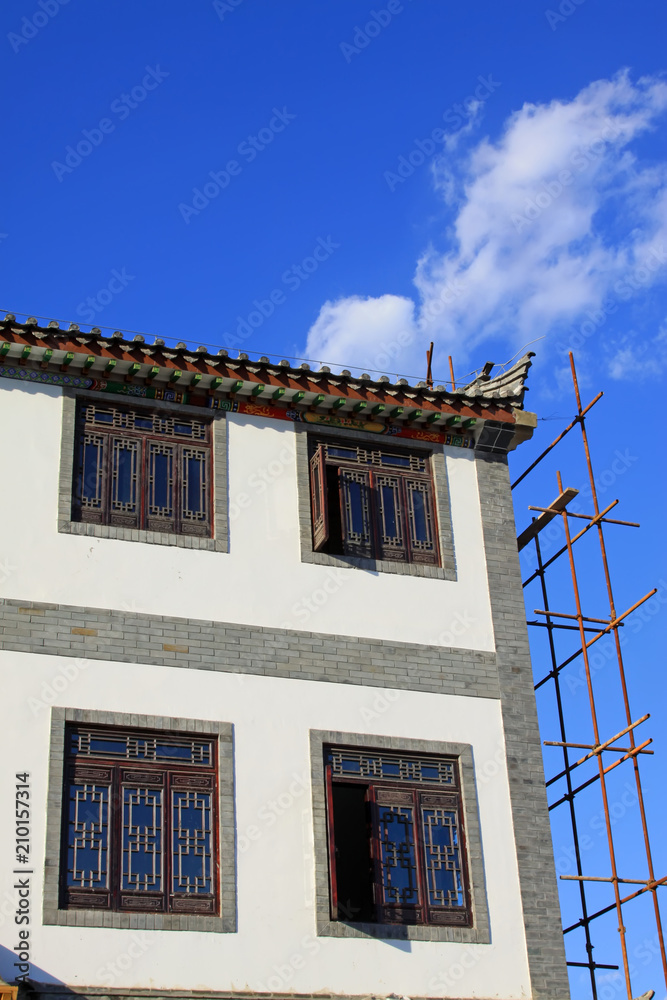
[(583, 626), (621, 671)]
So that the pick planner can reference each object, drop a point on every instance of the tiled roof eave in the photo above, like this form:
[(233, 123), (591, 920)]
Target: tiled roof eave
[(203, 373)]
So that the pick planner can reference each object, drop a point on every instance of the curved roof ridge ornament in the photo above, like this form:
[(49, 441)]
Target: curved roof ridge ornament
[(509, 385)]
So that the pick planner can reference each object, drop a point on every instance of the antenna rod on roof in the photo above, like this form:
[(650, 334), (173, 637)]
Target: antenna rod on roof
[(451, 373), (429, 359)]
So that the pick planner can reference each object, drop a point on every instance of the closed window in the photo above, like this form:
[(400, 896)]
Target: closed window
[(396, 838), (373, 503), (144, 469), (139, 821)]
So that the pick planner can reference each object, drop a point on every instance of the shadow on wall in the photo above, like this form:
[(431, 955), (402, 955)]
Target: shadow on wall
[(11, 966)]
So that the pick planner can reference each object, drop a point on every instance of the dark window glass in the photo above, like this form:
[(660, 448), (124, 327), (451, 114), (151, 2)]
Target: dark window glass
[(350, 454), (400, 460), (161, 497), (132, 745), (357, 525), (192, 842), (141, 822), (88, 833), (103, 417), (396, 851), (421, 533), (125, 474), (443, 857), (92, 462), (389, 511), (398, 855), (98, 746), (194, 487)]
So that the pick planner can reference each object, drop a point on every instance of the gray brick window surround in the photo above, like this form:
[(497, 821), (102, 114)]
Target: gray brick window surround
[(447, 568), (219, 542), (53, 914), (480, 932)]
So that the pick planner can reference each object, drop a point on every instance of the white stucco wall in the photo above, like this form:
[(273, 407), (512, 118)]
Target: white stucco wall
[(276, 948), (261, 580)]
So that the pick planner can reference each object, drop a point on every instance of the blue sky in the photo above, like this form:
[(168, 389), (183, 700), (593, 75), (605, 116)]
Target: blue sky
[(316, 180)]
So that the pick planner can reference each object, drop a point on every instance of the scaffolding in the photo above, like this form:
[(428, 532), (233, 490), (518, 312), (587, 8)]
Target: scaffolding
[(600, 755)]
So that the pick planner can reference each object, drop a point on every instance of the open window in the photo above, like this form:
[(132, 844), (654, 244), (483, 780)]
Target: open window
[(373, 503), (396, 838)]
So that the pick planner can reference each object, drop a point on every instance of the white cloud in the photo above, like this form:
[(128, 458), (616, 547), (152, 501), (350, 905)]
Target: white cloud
[(637, 359), (545, 222), (371, 331)]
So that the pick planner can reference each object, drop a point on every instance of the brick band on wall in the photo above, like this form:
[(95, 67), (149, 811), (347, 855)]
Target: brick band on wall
[(102, 634)]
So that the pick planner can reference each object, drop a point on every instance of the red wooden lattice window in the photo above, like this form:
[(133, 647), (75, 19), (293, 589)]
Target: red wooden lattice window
[(143, 469), (139, 822), (373, 503), (396, 838)]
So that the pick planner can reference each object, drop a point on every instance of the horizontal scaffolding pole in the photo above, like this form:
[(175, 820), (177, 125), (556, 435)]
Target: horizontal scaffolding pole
[(614, 624), (587, 746), (589, 517), (591, 524), (576, 618), (547, 515), (568, 628), (651, 887), (596, 777), (594, 749), (593, 965), (600, 746), (606, 878)]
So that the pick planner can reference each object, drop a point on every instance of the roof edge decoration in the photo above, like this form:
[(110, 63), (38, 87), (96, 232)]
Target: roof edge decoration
[(111, 363)]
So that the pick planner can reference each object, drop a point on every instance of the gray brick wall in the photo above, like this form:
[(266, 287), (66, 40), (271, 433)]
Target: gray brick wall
[(537, 874), (102, 634)]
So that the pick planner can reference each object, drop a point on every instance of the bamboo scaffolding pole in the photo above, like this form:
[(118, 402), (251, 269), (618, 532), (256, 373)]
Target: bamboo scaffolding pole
[(595, 751), (558, 440), (621, 670), (576, 538)]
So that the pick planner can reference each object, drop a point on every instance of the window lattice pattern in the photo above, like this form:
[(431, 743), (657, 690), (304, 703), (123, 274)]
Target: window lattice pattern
[(443, 857), (192, 847), (140, 828), (337, 453), (396, 837), (370, 765), (420, 516), (398, 856), (373, 503), (88, 838), (142, 469), (157, 423), (111, 744), (142, 839)]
